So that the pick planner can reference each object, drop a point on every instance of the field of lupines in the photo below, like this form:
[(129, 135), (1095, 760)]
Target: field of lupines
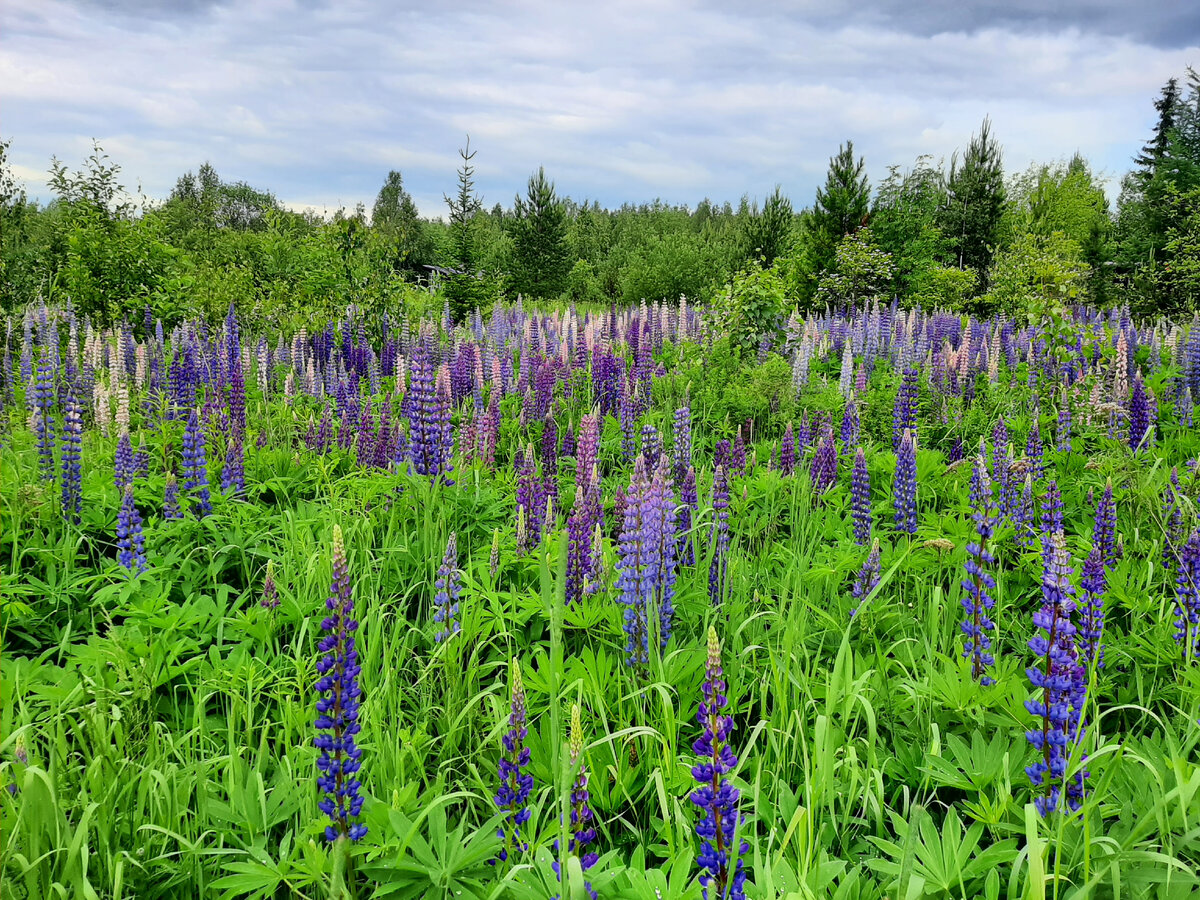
[(575, 604)]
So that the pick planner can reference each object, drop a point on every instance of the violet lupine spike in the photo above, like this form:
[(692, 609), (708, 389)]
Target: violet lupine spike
[(44, 404), (579, 535), (787, 450), (718, 571), (448, 588), (587, 448), (1091, 623), (980, 585), (531, 499), (130, 540), (1139, 416), (651, 446), (904, 414), (1105, 529), (233, 473), (867, 578), (337, 709), (660, 522), (1033, 450), (860, 499), (636, 567), (1052, 516), (688, 505), (682, 451), (171, 508), (581, 827), (904, 494), (123, 466), (825, 463), (1060, 683), (722, 867), (72, 449), (850, 424), (270, 593), (1187, 599), (515, 783), (195, 466), (737, 455)]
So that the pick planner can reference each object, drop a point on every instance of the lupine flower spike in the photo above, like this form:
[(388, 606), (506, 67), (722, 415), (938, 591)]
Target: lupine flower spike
[(446, 602), (979, 585), (337, 710), (581, 829), (515, 783), (723, 873), (270, 593), (130, 541)]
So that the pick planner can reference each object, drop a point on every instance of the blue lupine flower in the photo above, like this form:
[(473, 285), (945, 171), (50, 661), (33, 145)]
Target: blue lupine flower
[(44, 404), (718, 571), (515, 783), (979, 585), (860, 499), (904, 414), (1091, 623), (448, 588), (72, 446), (1187, 599), (233, 473), (123, 464), (171, 508), (904, 494), (867, 578), (660, 523), (130, 541), (1060, 683), (270, 593), (722, 868), (1139, 416), (337, 709), (195, 466), (581, 828)]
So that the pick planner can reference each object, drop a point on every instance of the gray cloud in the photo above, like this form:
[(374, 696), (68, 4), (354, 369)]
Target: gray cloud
[(624, 101)]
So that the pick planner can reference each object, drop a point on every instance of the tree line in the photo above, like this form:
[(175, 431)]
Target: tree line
[(962, 234)]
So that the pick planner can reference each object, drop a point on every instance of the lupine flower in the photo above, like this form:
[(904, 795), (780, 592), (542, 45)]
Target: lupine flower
[(904, 414), (1063, 438), (233, 473), (825, 463), (337, 709), (737, 455), (683, 442), (494, 557), (1173, 539), (72, 445), (270, 593), (1060, 684), (195, 466), (1187, 599), (850, 425), (581, 829), (1139, 416), (130, 541), (722, 868), (688, 503), (1091, 623), (448, 588), (860, 499), (123, 466), (1033, 450), (1104, 531), (651, 446), (531, 499), (904, 493), (1052, 517), (979, 585), (171, 508), (660, 523), (787, 450), (44, 404), (515, 783), (867, 578), (718, 571)]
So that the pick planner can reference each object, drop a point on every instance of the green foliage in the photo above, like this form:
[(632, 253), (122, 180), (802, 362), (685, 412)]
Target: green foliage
[(862, 272), (841, 207), (468, 287), (904, 221), (1037, 277), (970, 220), (541, 260), (751, 308), (406, 243), (769, 233)]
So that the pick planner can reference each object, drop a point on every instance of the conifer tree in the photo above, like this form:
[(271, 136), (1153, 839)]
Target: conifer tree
[(841, 206), (541, 256), (971, 218)]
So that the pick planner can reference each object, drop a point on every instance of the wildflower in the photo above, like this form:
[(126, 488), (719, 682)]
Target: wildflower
[(1091, 624), (1060, 684), (787, 451), (683, 442), (637, 564), (171, 508), (904, 494), (72, 444), (688, 503), (904, 414), (868, 577), (337, 709), (446, 601), (515, 783), (494, 557), (123, 466), (582, 831), (979, 585), (44, 404), (1187, 599), (718, 571), (1139, 416), (850, 425), (860, 499), (195, 466), (824, 466), (233, 473), (130, 541), (270, 593), (721, 865)]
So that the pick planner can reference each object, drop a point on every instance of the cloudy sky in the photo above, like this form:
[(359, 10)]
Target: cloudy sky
[(620, 101)]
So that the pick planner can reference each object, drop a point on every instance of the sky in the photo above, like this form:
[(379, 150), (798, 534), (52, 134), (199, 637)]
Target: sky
[(619, 101)]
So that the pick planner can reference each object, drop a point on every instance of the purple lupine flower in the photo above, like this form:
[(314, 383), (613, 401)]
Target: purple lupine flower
[(171, 508), (195, 466), (431, 434), (44, 405), (1173, 538), (636, 566), (130, 541), (1091, 623), (337, 709), (787, 451), (1022, 513), (659, 521), (737, 455), (580, 523), (1060, 684), (515, 783), (1052, 516), (1187, 599), (270, 593), (72, 446), (682, 450), (123, 465), (651, 446), (141, 459), (867, 578), (689, 502), (904, 414), (825, 463), (550, 449), (448, 588), (850, 424), (860, 499), (233, 473), (1104, 531), (904, 492), (1139, 416), (531, 499), (980, 584), (718, 571), (1033, 450), (587, 448), (722, 869), (721, 454), (628, 414), (582, 829)]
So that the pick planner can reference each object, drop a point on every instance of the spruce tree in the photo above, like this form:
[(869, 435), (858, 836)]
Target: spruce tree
[(1167, 106), (768, 233), (841, 206), (466, 288), (971, 218), (541, 256)]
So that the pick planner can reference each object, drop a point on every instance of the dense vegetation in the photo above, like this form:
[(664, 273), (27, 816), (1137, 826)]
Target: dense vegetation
[(870, 604), (961, 235)]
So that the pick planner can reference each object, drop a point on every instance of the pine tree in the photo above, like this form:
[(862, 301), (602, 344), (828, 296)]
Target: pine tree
[(841, 206), (395, 216), (971, 218), (541, 256), (466, 288), (768, 234)]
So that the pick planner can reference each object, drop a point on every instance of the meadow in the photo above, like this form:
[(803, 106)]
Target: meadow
[(583, 601)]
